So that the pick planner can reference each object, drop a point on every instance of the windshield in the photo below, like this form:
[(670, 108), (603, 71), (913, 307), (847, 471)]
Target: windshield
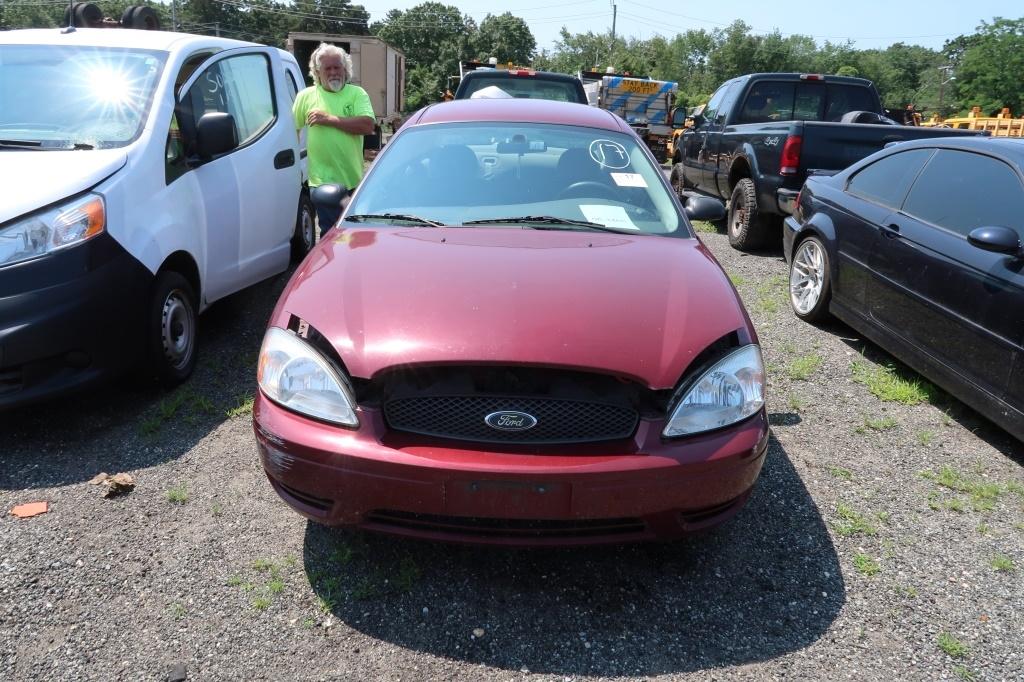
[(528, 87), (460, 173), (58, 97)]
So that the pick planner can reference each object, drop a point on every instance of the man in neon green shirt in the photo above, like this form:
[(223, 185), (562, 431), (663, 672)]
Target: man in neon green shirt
[(338, 115)]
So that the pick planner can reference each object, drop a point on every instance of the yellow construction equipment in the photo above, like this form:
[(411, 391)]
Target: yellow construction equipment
[(1002, 124)]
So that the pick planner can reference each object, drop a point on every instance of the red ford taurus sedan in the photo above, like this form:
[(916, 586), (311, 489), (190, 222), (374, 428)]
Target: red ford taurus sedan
[(513, 336)]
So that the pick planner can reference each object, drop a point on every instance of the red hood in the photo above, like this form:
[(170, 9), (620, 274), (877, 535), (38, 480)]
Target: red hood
[(641, 307)]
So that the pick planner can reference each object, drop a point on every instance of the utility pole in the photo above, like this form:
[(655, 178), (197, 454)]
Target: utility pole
[(615, 12), (943, 73), (174, 15)]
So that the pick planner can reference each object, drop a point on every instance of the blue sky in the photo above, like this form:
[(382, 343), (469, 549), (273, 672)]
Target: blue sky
[(869, 23)]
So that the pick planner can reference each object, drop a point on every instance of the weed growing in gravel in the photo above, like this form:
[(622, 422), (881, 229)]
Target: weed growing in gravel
[(150, 426), (217, 510), (260, 603), (177, 494), (343, 555), (276, 586), (804, 366), (965, 673), (234, 581), (865, 565), (910, 591), (407, 575), (886, 383), (242, 407), (262, 564), (840, 472), (767, 306), (853, 522), (308, 622), (366, 589), (325, 605), (957, 505), (1001, 562), (177, 611), (983, 529), (951, 645), (1015, 488), (796, 403), (925, 438), (882, 516), (983, 495), (704, 226), (880, 423), (290, 561)]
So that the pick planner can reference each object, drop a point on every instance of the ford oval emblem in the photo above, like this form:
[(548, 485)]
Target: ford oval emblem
[(510, 420)]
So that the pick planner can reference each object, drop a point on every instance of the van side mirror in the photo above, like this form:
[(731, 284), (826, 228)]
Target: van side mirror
[(216, 134), (997, 239)]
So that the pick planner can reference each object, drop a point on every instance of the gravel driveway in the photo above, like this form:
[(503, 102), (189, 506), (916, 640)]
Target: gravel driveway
[(884, 540)]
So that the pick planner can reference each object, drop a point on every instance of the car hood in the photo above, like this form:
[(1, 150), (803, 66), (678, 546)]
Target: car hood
[(33, 179), (635, 306)]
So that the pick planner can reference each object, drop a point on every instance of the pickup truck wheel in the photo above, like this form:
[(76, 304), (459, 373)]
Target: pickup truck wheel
[(809, 285), (172, 328), (305, 229), (746, 227), (678, 179)]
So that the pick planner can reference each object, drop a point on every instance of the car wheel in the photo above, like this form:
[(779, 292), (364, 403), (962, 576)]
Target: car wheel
[(305, 229), (746, 226), (172, 328), (809, 286), (678, 179)]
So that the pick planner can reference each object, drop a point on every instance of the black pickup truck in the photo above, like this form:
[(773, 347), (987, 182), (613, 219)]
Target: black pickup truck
[(759, 135)]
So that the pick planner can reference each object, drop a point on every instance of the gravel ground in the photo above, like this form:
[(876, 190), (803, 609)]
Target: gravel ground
[(883, 541)]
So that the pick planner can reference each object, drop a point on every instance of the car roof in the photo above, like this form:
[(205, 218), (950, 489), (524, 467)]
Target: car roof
[(520, 111), (116, 37), (504, 73), (1010, 148)]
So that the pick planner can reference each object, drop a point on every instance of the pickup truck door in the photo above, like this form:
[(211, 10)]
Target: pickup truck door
[(697, 148), (959, 304), (251, 193)]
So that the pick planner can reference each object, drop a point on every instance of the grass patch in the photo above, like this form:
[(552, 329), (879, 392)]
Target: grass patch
[(983, 529), (407, 575), (366, 589), (704, 226), (1001, 562), (276, 586), (865, 565), (880, 423), (263, 564), (1015, 488), (261, 603), (957, 505), (177, 494), (852, 522), (217, 510), (796, 403), (951, 645), (965, 673), (177, 611), (910, 591), (983, 495), (924, 438), (841, 473), (235, 581), (242, 408), (888, 384), (804, 366), (767, 305)]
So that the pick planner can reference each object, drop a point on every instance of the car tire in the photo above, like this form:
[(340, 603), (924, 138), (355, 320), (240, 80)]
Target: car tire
[(746, 227), (305, 229), (172, 328), (678, 179), (810, 284)]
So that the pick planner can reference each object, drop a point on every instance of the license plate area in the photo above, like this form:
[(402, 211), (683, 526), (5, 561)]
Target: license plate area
[(508, 499)]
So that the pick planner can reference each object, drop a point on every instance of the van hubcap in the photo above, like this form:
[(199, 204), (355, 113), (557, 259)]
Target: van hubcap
[(178, 329)]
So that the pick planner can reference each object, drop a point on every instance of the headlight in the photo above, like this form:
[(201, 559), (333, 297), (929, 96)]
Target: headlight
[(53, 229), (295, 375), (732, 390)]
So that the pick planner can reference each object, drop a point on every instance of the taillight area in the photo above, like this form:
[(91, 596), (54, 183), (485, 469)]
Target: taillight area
[(791, 155)]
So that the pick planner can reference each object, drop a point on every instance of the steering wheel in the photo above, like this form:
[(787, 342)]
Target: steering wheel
[(578, 189)]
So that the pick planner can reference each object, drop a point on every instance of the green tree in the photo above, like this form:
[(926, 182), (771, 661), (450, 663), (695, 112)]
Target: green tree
[(989, 71), (506, 37)]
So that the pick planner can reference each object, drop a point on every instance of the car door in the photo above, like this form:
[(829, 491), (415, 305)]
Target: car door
[(872, 194), (250, 193), (958, 304)]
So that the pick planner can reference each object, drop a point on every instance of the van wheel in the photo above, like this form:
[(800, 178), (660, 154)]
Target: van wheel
[(172, 328), (746, 227), (305, 229)]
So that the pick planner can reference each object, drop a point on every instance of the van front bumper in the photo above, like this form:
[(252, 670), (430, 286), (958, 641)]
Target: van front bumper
[(69, 318)]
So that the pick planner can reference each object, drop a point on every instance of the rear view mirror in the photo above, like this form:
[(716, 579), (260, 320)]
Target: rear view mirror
[(704, 208), (997, 239)]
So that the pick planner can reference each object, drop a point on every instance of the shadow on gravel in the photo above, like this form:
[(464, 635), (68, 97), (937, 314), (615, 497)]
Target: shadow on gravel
[(766, 584), (128, 424), (959, 412)]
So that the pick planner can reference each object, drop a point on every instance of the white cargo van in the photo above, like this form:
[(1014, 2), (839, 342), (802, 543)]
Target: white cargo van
[(143, 176)]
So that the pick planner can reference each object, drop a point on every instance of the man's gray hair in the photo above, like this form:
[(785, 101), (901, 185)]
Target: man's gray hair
[(327, 49)]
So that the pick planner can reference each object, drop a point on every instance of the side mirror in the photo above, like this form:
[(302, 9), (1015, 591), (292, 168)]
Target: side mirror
[(704, 208), (327, 196), (997, 239), (216, 134), (697, 119)]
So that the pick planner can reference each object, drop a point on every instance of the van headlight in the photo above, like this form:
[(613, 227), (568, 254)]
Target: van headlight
[(54, 229), (730, 391), (296, 376)]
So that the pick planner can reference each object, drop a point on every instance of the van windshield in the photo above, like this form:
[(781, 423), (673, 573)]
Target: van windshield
[(60, 97)]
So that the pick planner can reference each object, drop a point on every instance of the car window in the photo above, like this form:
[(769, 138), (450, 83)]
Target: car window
[(842, 99), (768, 101), (809, 102), (886, 181), (961, 191), (460, 172), (290, 84), (711, 109), (527, 87)]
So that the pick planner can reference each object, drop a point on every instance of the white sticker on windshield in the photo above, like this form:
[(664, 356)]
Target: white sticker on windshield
[(629, 180), (609, 154), (609, 216)]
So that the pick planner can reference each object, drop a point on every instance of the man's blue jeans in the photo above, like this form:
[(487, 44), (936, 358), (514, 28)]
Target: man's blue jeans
[(326, 216)]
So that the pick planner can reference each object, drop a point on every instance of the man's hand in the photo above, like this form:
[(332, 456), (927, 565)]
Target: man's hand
[(317, 117)]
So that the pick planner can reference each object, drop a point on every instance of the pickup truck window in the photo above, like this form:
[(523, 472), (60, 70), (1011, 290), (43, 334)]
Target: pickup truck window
[(529, 87), (886, 181), (715, 103), (791, 101), (938, 195)]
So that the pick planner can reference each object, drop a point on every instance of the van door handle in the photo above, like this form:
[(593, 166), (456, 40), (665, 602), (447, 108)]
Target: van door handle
[(284, 159), (892, 230)]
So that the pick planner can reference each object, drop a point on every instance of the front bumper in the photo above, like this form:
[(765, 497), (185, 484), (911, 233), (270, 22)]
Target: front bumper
[(642, 488), (68, 319)]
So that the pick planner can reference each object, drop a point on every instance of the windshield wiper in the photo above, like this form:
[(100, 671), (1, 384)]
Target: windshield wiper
[(361, 217), (543, 220), (21, 144)]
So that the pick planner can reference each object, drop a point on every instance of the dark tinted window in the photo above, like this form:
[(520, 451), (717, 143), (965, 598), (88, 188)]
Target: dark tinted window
[(843, 99), (520, 87), (768, 101), (886, 181), (713, 106), (961, 191), (804, 101)]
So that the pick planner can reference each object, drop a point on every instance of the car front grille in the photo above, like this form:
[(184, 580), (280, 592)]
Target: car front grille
[(463, 418), (468, 526)]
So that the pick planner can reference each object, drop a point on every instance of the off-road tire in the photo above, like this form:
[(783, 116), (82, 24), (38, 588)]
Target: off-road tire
[(677, 178), (747, 228)]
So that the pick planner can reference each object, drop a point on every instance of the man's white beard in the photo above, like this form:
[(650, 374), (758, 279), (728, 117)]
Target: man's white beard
[(335, 84)]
